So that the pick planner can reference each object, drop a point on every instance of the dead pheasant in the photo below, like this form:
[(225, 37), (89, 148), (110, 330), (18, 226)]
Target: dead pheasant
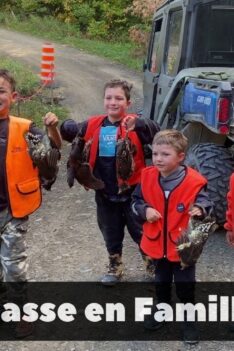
[(192, 241), (78, 167), (124, 162), (44, 157)]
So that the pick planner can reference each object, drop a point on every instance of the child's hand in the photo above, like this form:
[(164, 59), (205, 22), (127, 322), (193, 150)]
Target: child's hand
[(152, 215), (129, 122), (50, 120), (195, 211), (230, 238)]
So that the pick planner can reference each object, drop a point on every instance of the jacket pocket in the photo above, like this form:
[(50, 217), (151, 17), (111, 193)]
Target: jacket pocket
[(153, 236), (152, 232), (29, 186)]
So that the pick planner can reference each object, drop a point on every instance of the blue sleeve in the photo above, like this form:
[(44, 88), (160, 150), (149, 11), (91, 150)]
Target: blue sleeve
[(138, 204), (203, 201), (70, 128), (146, 130)]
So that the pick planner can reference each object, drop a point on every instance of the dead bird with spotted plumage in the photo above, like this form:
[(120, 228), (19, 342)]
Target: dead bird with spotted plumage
[(44, 157), (125, 164), (78, 167), (192, 241)]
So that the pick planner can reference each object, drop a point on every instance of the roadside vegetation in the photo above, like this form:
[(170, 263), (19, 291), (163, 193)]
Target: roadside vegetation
[(54, 30), (114, 29), (33, 101)]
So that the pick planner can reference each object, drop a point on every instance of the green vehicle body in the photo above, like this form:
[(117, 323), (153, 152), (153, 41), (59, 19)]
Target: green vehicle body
[(189, 84)]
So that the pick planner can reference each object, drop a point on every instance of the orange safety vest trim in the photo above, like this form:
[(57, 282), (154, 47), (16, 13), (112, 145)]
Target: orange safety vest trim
[(93, 131), (22, 177), (159, 238)]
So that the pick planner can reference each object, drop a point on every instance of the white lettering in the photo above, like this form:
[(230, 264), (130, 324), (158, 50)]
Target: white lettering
[(11, 313), (109, 138), (115, 310), (224, 309), (213, 308), (48, 314), (93, 312), (140, 308), (30, 312), (191, 311), (207, 101), (200, 99), (164, 313), (66, 312)]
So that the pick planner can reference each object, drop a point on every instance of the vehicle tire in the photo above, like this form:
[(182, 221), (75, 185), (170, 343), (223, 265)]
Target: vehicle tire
[(216, 163)]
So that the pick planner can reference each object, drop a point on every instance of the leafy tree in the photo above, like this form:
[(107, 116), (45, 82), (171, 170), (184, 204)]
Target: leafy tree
[(143, 9), (110, 19), (84, 14)]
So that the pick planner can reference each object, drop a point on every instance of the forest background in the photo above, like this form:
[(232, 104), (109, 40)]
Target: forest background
[(116, 29)]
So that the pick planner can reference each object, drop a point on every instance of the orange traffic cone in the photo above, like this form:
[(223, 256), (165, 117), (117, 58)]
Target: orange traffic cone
[(47, 64)]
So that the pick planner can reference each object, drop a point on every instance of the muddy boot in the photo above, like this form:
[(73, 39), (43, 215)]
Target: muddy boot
[(115, 270), (149, 265)]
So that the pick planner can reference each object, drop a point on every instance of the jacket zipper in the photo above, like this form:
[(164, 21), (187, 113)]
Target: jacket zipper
[(5, 170), (165, 227)]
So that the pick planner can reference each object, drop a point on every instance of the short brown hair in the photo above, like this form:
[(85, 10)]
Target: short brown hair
[(114, 83), (5, 74), (171, 137)]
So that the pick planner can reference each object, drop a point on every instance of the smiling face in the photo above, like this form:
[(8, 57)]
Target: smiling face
[(115, 103), (7, 96), (166, 158)]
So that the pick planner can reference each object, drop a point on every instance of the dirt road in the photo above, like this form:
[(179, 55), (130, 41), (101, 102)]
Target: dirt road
[(64, 241)]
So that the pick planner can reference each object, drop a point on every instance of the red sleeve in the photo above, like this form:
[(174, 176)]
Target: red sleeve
[(230, 210)]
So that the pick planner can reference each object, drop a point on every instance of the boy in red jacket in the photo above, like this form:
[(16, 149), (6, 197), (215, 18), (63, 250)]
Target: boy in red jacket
[(230, 214), (163, 200), (104, 131)]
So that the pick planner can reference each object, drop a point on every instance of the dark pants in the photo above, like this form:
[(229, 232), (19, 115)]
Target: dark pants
[(167, 271), (112, 218)]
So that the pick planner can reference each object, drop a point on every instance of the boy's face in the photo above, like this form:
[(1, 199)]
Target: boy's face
[(6, 97), (115, 103), (166, 158)]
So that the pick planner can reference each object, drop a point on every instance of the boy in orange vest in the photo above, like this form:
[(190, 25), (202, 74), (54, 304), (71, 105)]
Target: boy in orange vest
[(114, 209), (20, 190), (163, 201), (229, 225)]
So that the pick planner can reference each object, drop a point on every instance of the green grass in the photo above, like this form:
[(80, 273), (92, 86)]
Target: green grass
[(33, 105), (125, 53)]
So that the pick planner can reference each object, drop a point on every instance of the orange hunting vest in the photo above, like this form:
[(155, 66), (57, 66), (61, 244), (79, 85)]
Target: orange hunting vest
[(93, 131), (23, 182), (159, 238)]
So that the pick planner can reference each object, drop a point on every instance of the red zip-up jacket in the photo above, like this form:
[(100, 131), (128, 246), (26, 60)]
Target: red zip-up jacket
[(229, 225), (93, 131), (159, 238)]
